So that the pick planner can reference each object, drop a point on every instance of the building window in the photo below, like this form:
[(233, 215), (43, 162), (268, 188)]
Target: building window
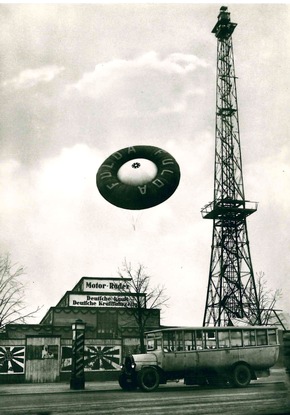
[(107, 324)]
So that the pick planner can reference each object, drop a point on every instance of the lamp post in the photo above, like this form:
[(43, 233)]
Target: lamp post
[(77, 380)]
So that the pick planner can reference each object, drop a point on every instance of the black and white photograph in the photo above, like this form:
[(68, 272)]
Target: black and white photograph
[(144, 187)]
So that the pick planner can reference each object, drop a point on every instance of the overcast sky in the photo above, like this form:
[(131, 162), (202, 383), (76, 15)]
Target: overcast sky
[(79, 82)]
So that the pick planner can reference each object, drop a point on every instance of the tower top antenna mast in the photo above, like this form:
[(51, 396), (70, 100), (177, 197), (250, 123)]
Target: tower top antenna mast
[(224, 27), (231, 295)]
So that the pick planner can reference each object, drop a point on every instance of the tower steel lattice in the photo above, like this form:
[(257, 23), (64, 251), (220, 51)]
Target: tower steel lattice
[(231, 294)]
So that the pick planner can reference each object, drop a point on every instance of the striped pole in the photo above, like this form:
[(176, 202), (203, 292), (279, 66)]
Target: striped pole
[(78, 344)]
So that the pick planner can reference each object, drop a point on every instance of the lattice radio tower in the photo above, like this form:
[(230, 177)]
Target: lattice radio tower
[(231, 294)]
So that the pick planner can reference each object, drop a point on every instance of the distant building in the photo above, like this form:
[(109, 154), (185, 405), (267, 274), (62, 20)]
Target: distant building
[(42, 352)]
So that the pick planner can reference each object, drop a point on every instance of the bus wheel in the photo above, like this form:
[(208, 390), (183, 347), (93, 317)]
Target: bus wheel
[(241, 376), (127, 384), (148, 379)]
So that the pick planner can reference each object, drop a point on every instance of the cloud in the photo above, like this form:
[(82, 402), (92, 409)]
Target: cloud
[(31, 77), (54, 209), (146, 85), (122, 101)]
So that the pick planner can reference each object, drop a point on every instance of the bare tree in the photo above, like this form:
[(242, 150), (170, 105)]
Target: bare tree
[(142, 298), (13, 308), (267, 302)]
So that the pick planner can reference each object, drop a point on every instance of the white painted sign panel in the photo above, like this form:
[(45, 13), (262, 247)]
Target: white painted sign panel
[(100, 300), (105, 285)]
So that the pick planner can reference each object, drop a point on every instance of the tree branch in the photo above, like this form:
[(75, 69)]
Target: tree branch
[(12, 292)]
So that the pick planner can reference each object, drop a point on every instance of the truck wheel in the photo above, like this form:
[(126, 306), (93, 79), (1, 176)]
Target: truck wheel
[(127, 384), (241, 376), (148, 379)]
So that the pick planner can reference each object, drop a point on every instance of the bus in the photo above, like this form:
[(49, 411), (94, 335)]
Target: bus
[(216, 356)]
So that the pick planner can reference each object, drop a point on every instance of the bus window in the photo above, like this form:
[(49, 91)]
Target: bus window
[(272, 339), (223, 338), (249, 337), (209, 339), (236, 338), (166, 341), (154, 344), (261, 337), (158, 344), (189, 340), (169, 341), (179, 341), (198, 340), (150, 344)]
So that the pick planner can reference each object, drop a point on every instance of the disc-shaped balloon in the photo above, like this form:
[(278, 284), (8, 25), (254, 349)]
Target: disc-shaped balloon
[(138, 177)]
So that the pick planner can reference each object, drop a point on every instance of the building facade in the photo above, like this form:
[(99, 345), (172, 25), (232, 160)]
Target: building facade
[(43, 352)]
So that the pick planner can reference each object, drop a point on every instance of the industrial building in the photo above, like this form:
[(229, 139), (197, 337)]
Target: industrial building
[(43, 352)]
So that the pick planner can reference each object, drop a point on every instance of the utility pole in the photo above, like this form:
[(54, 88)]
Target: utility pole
[(231, 294)]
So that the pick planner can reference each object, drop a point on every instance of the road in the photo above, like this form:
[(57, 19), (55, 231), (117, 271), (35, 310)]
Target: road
[(265, 398)]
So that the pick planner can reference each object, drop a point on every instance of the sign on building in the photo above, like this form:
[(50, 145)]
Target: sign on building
[(12, 359), (96, 357), (103, 300), (105, 285)]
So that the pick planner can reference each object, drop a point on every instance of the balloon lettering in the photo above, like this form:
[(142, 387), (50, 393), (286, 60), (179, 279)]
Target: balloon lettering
[(166, 171), (158, 182), (111, 186), (105, 174), (130, 149), (167, 161), (142, 189), (152, 189)]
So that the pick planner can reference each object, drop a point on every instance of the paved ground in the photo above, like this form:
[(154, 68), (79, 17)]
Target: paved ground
[(31, 388), (265, 396), (61, 387)]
